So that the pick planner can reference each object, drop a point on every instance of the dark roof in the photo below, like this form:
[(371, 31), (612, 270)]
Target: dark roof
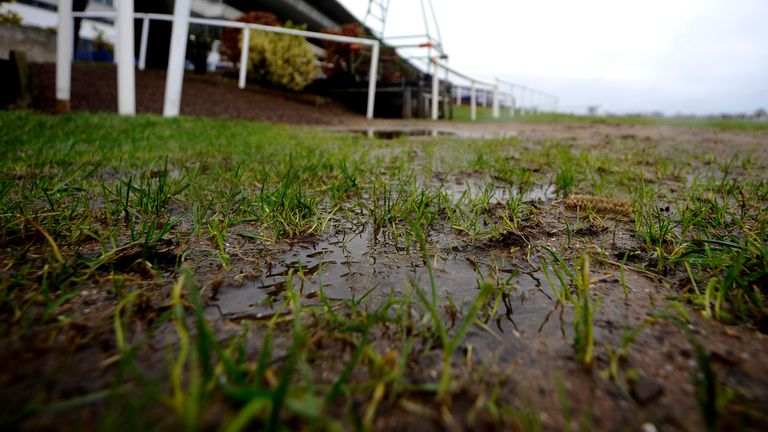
[(335, 11), (318, 14)]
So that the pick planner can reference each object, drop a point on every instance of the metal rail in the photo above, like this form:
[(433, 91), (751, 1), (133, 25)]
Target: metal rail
[(247, 28), (536, 98)]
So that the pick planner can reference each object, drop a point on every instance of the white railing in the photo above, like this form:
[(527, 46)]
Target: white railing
[(247, 28), (530, 99), (436, 85), (519, 98)]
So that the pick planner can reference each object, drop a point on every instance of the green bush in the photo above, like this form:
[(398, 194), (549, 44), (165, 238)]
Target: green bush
[(9, 17), (283, 60)]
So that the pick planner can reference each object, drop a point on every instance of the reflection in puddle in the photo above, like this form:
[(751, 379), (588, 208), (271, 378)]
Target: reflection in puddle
[(347, 266), (469, 188), (393, 133), (388, 134)]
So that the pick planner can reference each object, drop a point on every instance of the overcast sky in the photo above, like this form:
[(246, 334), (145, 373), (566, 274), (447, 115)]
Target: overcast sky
[(691, 56)]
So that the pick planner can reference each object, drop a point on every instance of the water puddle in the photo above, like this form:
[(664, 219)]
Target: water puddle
[(348, 266), (389, 134), (463, 189), (393, 133), (345, 265)]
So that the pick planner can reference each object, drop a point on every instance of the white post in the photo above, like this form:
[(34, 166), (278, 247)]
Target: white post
[(143, 47), (473, 102), (126, 80), (435, 89), (532, 101), (512, 101), (372, 78), (175, 75), (458, 95), (496, 100), (246, 44), (64, 41)]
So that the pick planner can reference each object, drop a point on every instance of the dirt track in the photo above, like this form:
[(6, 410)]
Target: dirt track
[(94, 89), (531, 348)]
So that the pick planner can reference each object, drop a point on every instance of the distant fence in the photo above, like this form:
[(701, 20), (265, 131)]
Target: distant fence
[(247, 28), (518, 98)]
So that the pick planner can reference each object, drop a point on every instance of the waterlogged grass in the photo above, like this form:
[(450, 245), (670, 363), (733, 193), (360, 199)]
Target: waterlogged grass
[(143, 213), (572, 288), (485, 114), (718, 123)]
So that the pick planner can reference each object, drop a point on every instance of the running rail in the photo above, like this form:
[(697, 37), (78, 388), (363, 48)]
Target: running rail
[(529, 98), (247, 28), (473, 93)]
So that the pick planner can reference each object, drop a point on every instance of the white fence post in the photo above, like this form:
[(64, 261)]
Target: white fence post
[(143, 46), (64, 42), (496, 100), (372, 78), (175, 74), (473, 102), (244, 56), (458, 95), (435, 89), (512, 101), (126, 79)]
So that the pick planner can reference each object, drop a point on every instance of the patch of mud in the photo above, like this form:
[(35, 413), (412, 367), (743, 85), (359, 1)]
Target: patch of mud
[(462, 188), (348, 266)]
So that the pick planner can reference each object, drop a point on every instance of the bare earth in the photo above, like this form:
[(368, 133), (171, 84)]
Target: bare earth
[(531, 362)]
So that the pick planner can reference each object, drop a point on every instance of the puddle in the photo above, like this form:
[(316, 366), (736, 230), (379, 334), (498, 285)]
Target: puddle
[(348, 266), (393, 133), (486, 134), (389, 134), (469, 188)]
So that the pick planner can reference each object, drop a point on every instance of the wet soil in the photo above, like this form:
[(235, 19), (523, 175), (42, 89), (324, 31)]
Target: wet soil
[(94, 89), (528, 344), (525, 349), (523, 353)]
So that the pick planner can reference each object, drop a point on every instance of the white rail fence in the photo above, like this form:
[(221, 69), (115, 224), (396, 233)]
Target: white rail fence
[(474, 83), (174, 94), (530, 99), (518, 98)]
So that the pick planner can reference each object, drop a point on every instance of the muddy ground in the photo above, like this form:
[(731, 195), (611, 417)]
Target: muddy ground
[(520, 357), (94, 89)]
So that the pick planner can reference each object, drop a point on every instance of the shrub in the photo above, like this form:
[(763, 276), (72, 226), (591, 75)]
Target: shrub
[(343, 58), (283, 60), (352, 62), (9, 17), (230, 37)]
